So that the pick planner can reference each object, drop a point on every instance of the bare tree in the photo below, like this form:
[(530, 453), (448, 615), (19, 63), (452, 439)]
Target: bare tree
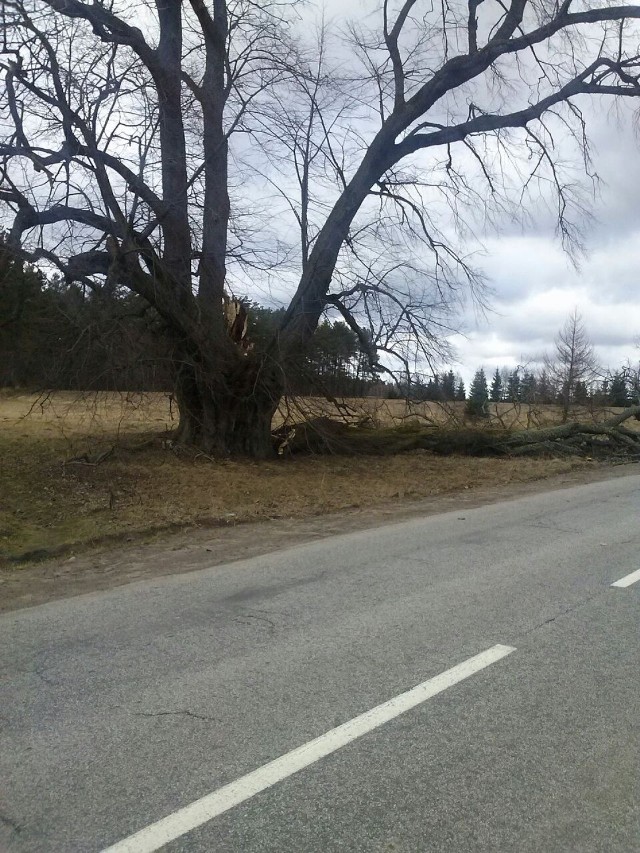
[(134, 159), (631, 374), (573, 361)]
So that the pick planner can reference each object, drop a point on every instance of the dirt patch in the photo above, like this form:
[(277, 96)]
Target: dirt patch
[(197, 547)]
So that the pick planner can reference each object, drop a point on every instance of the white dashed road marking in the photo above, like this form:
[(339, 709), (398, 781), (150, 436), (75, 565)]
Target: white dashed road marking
[(627, 580), (156, 835)]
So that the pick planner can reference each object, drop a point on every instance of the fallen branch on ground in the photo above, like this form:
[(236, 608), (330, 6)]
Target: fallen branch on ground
[(609, 440), (90, 458)]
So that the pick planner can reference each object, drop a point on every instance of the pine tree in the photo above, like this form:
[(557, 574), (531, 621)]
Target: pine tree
[(513, 387), (449, 386), (528, 388), (618, 393), (581, 393), (545, 391), (496, 387), (461, 394), (478, 396), (434, 388)]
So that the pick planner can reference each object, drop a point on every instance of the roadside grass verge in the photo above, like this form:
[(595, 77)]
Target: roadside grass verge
[(78, 472)]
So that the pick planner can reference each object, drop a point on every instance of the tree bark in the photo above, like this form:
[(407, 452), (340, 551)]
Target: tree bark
[(229, 411)]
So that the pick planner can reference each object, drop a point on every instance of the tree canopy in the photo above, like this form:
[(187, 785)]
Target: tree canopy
[(181, 149)]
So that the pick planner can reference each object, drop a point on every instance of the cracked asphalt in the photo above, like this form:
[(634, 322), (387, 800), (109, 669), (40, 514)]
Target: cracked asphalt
[(118, 708)]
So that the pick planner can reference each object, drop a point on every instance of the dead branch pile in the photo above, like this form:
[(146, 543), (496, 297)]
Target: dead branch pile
[(610, 439)]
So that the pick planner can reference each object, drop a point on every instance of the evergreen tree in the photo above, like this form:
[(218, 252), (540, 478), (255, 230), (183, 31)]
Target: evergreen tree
[(545, 391), (528, 387), (436, 393), (618, 394), (581, 393), (631, 374), (496, 387), (449, 386), (478, 396), (432, 390), (461, 394), (513, 386), (428, 390)]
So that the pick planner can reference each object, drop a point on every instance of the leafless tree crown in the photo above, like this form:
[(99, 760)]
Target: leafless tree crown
[(573, 359), (183, 147)]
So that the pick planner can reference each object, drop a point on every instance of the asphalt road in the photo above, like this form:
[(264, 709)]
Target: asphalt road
[(119, 709)]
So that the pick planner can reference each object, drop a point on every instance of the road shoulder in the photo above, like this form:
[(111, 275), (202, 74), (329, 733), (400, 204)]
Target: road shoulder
[(198, 548)]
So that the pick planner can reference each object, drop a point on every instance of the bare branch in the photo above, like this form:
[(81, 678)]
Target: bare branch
[(391, 40)]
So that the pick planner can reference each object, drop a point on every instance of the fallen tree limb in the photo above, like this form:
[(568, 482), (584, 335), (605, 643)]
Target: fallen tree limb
[(609, 439), (579, 438), (90, 458), (624, 415)]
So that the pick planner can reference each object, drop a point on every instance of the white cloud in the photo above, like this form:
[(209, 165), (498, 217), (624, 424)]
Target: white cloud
[(536, 288)]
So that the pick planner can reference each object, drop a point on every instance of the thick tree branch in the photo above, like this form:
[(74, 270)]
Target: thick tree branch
[(28, 217), (365, 340), (109, 28), (472, 25), (461, 69), (487, 123), (391, 37)]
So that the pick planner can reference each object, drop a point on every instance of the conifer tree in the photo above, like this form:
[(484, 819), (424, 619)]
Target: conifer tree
[(449, 386), (496, 387), (478, 396), (528, 387), (618, 392), (513, 386)]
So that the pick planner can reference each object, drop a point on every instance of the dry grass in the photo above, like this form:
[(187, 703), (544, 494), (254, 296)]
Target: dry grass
[(50, 504), (386, 413)]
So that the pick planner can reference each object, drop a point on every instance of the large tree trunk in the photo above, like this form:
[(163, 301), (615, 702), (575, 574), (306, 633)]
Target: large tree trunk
[(227, 412)]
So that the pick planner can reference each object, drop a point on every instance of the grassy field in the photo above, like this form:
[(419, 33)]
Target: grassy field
[(57, 497)]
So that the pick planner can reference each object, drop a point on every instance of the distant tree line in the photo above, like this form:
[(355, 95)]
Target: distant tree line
[(618, 389), (443, 387), (570, 376), (65, 336), (59, 335)]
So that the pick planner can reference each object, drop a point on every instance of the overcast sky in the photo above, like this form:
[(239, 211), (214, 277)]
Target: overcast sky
[(535, 284)]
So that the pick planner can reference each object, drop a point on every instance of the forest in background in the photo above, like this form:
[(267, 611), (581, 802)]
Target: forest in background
[(60, 335)]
